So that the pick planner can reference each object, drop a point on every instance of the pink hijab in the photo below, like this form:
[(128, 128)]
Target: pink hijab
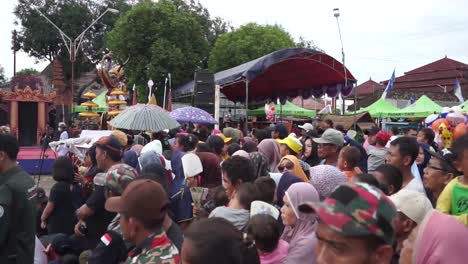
[(301, 236), (440, 239), (270, 148)]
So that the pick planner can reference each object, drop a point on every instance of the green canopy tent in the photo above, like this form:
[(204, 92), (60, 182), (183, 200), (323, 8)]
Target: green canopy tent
[(379, 109), (288, 109), (423, 107)]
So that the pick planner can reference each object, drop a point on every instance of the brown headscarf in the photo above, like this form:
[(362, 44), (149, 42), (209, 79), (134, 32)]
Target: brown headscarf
[(211, 175), (297, 170)]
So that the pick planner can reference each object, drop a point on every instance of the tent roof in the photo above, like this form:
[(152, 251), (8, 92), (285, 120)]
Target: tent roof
[(423, 107), (348, 121), (286, 72), (288, 109), (380, 108)]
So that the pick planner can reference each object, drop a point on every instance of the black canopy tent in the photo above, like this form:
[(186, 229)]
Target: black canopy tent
[(281, 74)]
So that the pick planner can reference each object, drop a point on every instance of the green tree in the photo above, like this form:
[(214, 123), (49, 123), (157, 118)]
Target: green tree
[(247, 43), (41, 40), (27, 71), (169, 36), (2, 74), (310, 44)]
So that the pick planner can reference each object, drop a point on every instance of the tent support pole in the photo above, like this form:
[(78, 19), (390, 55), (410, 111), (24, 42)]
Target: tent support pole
[(246, 99)]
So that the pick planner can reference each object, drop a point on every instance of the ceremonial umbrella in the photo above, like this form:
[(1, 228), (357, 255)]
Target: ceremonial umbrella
[(192, 115), (144, 117)]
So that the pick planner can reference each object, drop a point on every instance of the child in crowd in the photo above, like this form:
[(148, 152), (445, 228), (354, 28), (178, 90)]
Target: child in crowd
[(365, 178), (266, 187), (238, 211), (389, 178), (378, 153), (266, 233), (454, 197), (348, 160)]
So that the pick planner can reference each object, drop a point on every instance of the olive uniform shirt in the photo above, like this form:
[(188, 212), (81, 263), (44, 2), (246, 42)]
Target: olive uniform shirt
[(17, 217)]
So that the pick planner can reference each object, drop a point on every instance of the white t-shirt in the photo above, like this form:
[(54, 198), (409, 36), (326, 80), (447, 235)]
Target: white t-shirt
[(62, 150), (415, 185)]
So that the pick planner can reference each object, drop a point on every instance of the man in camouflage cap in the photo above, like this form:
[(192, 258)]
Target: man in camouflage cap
[(355, 225), (143, 207), (117, 178)]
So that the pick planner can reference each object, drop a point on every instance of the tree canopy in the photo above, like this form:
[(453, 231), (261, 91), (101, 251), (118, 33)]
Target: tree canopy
[(169, 36), (27, 71), (2, 74), (247, 43), (41, 40)]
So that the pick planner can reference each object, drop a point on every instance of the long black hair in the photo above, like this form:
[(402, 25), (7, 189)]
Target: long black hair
[(62, 170), (313, 159)]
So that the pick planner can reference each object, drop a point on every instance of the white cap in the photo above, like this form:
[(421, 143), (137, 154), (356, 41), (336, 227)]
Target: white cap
[(307, 126), (413, 204), (192, 165), (260, 207), (153, 145)]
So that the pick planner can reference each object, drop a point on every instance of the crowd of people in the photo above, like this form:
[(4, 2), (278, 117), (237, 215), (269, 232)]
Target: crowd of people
[(242, 197)]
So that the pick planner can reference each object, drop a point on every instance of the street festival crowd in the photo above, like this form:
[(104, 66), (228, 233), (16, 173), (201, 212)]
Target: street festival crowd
[(200, 195)]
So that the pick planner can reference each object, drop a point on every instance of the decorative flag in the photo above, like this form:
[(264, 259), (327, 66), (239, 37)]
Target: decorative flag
[(134, 96), (412, 100), (101, 100), (150, 86), (106, 239), (457, 91), (389, 85), (153, 100), (169, 100)]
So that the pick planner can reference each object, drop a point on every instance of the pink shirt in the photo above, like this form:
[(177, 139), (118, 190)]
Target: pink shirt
[(277, 255)]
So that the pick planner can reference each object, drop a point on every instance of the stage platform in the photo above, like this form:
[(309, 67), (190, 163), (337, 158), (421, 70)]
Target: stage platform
[(29, 159)]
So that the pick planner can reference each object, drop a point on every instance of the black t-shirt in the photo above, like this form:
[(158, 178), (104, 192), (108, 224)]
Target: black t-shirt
[(62, 218), (98, 222)]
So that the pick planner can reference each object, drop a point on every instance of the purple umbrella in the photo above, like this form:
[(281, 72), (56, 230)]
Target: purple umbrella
[(192, 115)]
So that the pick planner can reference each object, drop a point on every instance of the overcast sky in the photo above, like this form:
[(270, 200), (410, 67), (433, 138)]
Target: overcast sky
[(378, 36)]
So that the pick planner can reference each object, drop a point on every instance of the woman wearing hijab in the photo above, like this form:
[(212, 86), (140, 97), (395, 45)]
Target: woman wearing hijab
[(325, 179), (292, 164), (270, 148), (242, 153), (211, 176), (179, 192), (130, 157), (438, 239), (300, 228), (260, 164)]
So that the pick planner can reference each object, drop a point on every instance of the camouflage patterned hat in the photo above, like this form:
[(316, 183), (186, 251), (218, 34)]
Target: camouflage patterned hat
[(357, 210), (118, 177)]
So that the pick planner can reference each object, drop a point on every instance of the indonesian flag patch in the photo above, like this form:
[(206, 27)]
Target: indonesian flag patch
[(106, 239)]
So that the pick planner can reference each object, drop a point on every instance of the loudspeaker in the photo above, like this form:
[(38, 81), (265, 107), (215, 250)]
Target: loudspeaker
[(204, 91)]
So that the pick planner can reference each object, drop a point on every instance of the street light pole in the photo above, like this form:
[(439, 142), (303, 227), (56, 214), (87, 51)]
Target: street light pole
[(73, 46), (336, 13)]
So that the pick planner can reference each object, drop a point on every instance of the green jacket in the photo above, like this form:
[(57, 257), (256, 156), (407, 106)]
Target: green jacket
[(17, 217)]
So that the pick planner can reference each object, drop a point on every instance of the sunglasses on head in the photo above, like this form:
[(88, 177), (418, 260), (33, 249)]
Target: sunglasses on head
[(288, 166)]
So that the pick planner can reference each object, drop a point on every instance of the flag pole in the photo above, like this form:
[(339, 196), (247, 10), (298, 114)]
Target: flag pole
[(165, 89)]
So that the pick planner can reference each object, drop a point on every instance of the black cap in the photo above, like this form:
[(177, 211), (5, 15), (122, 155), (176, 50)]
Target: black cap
[(62, 245), (447, 157)]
